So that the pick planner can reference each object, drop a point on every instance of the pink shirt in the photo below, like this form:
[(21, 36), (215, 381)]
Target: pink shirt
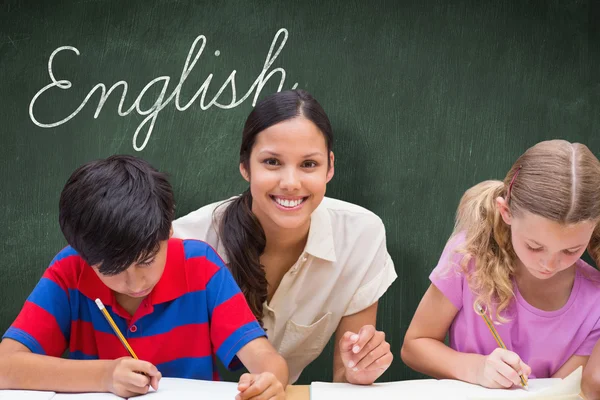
[(544, 340)]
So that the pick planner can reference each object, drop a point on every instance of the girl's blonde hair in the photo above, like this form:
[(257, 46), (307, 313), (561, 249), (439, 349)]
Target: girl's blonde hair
[(554, 179)]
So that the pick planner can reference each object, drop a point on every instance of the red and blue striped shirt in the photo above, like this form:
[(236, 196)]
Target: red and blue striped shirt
[(195, 313)]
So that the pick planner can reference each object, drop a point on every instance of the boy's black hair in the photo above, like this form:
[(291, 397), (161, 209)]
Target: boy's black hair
[(115, 211)]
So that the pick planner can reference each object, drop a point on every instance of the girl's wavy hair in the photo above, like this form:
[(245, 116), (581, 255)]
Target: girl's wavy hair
[(554, 179)]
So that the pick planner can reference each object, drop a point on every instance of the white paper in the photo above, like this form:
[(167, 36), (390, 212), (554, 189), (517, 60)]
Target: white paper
[(86, 396), (25, 395), (417, 389), (170, 388), (189, 389), (551, 389)]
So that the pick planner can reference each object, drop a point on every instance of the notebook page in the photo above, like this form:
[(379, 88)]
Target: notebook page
[(25, 395), (471, 391), (190, 389), (423, 389), (551, 389), (86, 396)]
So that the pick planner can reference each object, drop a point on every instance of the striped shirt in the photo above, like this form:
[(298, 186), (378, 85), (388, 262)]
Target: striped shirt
[(194, 314)]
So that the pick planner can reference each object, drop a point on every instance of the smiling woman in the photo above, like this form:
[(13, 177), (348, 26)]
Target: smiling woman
[(309, 266), (290, 168)]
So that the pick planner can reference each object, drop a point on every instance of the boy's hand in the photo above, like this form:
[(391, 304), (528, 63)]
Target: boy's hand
[(366, 355), (263, 386), (501, 370), (127, 377)]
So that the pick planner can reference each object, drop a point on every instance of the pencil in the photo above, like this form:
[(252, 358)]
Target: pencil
[(115, 328), (496, 336)]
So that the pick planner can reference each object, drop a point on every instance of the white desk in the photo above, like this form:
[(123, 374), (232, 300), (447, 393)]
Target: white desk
[(300, 392)]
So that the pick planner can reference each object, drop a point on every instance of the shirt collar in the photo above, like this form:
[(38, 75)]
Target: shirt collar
[(92, 287), (172, 283), (320, 236)]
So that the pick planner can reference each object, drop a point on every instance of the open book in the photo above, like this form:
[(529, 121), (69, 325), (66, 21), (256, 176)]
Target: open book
[(549, 389), (168, 389)]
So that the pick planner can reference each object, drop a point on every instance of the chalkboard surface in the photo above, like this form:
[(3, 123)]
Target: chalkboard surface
[(427, 97)]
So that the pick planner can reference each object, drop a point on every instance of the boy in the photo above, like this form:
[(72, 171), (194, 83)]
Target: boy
[(174, 300)]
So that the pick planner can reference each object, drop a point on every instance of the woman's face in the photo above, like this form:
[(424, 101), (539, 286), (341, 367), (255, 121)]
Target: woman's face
[(288, 173)]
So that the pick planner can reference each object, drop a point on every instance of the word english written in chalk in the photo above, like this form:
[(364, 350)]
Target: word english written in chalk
[(162, 83)]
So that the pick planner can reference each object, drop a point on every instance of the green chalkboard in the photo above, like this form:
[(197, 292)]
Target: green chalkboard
[(426, 97)]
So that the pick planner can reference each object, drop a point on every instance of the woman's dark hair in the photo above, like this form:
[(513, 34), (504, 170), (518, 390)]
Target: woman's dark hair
[(115, 212), (241, 233)]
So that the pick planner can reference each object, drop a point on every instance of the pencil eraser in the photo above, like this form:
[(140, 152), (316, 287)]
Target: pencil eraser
[(99, 304)]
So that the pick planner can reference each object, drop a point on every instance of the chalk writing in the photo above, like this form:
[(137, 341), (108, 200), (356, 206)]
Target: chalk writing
[(162, 83)]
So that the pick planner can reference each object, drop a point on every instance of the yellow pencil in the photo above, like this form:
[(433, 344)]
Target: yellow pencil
[(496, 336), (115, 328)]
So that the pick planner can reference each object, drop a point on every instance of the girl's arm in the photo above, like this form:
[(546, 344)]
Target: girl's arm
[(424, 349), (571, 365), (590, 384)]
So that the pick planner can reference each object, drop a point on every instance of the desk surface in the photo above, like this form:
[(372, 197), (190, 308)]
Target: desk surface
[(299, 392)]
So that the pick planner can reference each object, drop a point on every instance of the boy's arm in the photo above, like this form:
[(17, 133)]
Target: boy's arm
[(31, 348), (235, 332), (260, 357), (22, 369)]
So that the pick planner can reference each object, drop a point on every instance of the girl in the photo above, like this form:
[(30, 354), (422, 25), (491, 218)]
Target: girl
[(308, 265), (515, 251)]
